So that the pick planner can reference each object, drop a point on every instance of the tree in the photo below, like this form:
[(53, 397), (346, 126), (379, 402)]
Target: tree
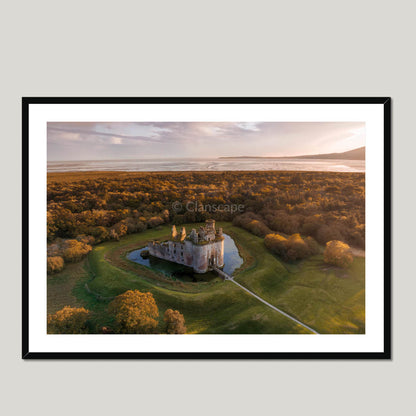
[(338, 253), (118, 230), (252, 223), (68, 321), (75, 250), (276, 243), (51, 228), (296, 248), (55, 264), (175, 322), (135, 312), (100, 233), (313, 246), (86, 239), (134, 225), (154, 222), (291, 248), (258, 228), (327, 233)]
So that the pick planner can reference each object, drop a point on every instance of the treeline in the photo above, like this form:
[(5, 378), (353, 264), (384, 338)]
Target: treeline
[(101, 206), (132, 312)]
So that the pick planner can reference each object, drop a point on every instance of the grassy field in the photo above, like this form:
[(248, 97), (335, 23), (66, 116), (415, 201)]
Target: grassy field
[(329, 299), (325, 298)]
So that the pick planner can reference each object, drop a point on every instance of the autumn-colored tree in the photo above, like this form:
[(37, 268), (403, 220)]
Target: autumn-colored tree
[(338, 253), (86, 239), (258, 228), (165, 215), (74, 250), (252, 223), (328, 233), (175, 322), (55, 264), (276, 243), (68, 321), (296, 248), (135, 312), (154, 222), (284, 222), (118, 230), (63, 222), (100, 233), (50, 226), (313, 246), (292, 248)]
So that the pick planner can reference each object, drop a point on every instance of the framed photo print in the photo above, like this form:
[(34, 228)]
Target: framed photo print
[(206, 228)]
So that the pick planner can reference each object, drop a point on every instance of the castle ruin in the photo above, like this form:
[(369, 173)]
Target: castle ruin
[(202, 250)]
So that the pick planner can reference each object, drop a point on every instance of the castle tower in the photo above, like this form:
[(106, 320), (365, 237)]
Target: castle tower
[(209, 230), (193, 236), (210, 226), (174, 233)]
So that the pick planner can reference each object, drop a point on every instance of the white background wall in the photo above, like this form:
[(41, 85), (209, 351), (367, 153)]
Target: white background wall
[(218, 48)]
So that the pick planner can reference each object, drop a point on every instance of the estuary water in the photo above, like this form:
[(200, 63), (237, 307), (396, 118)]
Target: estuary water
[(232, 261), (181, 165)]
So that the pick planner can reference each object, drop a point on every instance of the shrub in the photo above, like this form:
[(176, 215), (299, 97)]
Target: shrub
[(55, 264), (86, 239), (252, 223), (283, 222), (68, 321), (175, 322), (74, 250), (258, 228), (134, 225), (100, 234), (296, 248), (154, 222), (276, 243), (313, 246), (118, 230), (135, 312), (292, 248), (338, 253), (326, 233)]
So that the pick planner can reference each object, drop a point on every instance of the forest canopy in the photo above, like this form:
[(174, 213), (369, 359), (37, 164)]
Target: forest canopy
[(88, 208)]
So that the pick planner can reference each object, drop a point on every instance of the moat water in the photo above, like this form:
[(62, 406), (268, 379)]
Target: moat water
[(232, 261)]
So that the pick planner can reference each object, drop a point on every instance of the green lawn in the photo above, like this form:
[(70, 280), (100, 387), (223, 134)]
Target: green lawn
[(329, 300)]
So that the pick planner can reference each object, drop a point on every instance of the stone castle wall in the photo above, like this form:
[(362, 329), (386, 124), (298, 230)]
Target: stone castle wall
[(200, 256)]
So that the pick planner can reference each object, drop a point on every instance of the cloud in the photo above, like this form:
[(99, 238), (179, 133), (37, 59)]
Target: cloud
[(248, 126), (102, 130), (118, 140)]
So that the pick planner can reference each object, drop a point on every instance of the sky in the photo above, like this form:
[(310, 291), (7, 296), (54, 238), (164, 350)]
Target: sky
[(125, 140)]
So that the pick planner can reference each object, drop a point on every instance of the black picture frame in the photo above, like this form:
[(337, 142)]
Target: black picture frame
[(385, 101)]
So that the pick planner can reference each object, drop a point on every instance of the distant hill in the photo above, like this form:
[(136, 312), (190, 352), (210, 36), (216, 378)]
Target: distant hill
[(355, 154)]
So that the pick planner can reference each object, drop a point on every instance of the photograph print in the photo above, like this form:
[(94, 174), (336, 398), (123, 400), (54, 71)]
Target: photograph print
[(192, 228)]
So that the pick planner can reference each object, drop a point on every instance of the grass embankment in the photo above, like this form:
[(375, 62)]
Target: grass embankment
[(330, 301)]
